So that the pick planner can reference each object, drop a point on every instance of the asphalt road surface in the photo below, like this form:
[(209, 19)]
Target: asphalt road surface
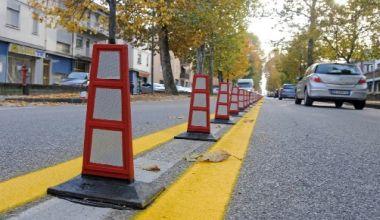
[(310, 163), (35, 137)]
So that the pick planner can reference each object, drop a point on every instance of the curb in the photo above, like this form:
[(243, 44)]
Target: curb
[(66, 100), (372, 105)]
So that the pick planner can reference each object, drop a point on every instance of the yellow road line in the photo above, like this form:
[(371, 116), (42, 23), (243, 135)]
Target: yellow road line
[(26, 188), (204, 190)]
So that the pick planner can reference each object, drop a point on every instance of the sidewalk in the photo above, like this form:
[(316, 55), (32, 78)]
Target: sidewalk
[(74, 98), (373, 104)]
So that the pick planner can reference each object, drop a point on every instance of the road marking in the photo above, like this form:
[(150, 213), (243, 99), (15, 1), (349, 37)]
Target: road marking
[(204, 190), (29, 187)]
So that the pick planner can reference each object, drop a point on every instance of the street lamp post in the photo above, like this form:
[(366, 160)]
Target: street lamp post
[(152, 63)]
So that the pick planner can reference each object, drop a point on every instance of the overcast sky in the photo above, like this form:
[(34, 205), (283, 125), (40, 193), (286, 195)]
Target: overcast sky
[(265, 28)]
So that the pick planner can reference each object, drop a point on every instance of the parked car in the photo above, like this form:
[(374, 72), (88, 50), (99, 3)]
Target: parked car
[(276, 93), (215, 89), (246, 84), (287, 91), (157, 87), (181, 89), (332, 82), (78, 79), (146, 88), (187, 89)]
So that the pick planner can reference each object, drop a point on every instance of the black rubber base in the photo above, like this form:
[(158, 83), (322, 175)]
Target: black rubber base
[(105, 192), (241, 114), (222, 121), (197, 136)]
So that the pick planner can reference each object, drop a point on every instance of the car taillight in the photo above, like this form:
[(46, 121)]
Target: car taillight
[(362, 81), (316, 79)]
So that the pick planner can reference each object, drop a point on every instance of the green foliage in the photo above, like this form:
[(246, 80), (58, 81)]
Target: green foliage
[(349, 31)]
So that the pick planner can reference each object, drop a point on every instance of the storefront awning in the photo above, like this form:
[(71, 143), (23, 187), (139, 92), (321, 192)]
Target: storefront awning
[(143, 74)]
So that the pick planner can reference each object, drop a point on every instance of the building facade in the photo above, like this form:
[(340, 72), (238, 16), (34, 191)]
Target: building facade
[(182, 74), (49, 53), (139, 60), (371, 70)]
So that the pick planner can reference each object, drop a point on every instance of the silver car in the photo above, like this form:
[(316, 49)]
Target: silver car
[(332, 82)]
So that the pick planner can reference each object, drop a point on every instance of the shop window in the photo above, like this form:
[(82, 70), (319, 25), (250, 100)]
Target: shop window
[(63, 47), (79, 42), (15, 63), (139, 60), (13, 14), (35, 17)]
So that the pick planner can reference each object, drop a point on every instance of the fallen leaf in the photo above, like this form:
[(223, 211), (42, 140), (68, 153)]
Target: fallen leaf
[(214, 156), (192, 158), (152, 167), (248, 121)]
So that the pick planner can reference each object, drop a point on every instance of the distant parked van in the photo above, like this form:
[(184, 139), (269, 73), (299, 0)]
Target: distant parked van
[(246, 84)]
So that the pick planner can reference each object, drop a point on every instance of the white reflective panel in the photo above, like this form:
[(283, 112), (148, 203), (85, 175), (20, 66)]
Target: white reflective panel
[(235, 90), (107, 104), (107, 147), (109, 65), (234, 98), (199, 118), (222, 110), (241, 98), (241, 104), (223, 98), (200, 83), (199, 100), (233, 106), (223, 88)]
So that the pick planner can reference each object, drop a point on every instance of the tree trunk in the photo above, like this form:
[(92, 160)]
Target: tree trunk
[(167, 72), (220, 76), (211, 68), (200, 59), (112, 22), (311, 32)]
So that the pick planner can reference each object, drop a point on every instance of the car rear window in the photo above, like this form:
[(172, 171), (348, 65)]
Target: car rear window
[(77, 75), (244, 84), (346, 69), (289, 87)]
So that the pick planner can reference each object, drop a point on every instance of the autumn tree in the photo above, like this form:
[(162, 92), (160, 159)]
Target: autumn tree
[(231, 60), (305, 16), (255, 60), (272, 72), (350, 31)]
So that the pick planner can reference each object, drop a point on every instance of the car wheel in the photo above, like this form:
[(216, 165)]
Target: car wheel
[(280, 98), (338, 104), (298, 101), (359, 105), (307, 100)]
